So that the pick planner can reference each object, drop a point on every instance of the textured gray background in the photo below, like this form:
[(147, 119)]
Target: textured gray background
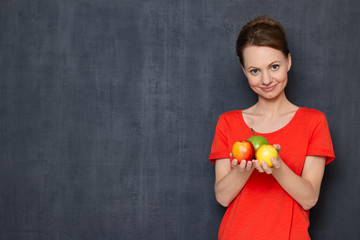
[(108, 109)]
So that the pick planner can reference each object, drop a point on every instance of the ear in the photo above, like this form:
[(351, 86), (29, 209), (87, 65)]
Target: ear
[(289, 62)]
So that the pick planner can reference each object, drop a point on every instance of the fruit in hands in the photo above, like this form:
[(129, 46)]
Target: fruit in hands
[(243, 150), (264, 154), (257, 141)]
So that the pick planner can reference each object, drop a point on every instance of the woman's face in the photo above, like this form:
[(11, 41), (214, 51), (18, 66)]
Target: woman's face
[(266, 70)]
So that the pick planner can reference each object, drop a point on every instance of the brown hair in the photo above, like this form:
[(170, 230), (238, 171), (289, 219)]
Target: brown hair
[(262, 31)]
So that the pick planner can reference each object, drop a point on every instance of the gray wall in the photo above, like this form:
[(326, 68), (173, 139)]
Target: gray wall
[(108, 109)]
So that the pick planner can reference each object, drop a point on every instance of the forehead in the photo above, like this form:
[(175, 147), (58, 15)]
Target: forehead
[(260, 55)]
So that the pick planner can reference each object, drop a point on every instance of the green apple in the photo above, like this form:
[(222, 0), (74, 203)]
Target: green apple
[(257, 140)]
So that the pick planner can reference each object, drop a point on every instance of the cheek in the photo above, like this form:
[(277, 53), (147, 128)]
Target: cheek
[(253, 81), (282, 76)]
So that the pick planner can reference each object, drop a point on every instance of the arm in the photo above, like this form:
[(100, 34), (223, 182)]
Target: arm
[(305, 189), (229, 182)]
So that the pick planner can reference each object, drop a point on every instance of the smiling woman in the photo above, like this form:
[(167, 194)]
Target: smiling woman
[(266, 70), (269, 202)]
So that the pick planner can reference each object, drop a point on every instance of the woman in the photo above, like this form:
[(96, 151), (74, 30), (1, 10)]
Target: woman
[(269, 202)]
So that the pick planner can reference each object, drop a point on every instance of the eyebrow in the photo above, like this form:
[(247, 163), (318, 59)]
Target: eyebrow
[(272, 63)]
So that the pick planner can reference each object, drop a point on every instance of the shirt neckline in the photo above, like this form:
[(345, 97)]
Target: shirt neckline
[(276, 131)]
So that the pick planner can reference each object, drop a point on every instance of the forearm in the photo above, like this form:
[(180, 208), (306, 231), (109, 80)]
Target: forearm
[(299, 188), (231, 185)]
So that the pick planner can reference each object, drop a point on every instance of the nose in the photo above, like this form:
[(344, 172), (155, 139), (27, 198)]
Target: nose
[(266, 78)]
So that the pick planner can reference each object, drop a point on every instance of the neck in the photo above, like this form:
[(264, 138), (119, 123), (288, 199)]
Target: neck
[(273, 107)]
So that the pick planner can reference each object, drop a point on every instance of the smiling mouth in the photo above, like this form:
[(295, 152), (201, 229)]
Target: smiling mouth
[(268, 89)]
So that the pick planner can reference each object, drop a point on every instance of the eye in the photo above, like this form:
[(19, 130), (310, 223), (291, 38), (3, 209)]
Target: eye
[(254, 71), (275, 67)]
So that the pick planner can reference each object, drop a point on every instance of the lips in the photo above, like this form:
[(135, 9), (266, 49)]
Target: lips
[(268, 89)]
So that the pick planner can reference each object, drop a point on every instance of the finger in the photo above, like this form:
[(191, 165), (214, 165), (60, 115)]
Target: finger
[(231, 155), (275, 162), (258, 166), (242, 165), (277, 146), (266, 168), (234, 162), (249, 165)]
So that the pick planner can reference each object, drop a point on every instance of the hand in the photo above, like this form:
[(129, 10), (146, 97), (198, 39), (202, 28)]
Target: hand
[(243, 165), (263, 167)]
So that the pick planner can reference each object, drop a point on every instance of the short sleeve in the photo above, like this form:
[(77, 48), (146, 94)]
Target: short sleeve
[(219, 148), (320, 143)]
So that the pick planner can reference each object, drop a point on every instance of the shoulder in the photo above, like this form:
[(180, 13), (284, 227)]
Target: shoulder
[(311, 113), (230, 118), (230, 115), (312, 116)]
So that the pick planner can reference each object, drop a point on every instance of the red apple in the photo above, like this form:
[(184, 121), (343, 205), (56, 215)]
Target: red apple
[(243, 150)]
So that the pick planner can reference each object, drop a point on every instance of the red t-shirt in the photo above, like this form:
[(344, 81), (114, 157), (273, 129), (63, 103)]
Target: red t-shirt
[(263, 210)]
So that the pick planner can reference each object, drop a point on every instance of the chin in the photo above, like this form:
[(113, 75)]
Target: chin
[(270, 95)]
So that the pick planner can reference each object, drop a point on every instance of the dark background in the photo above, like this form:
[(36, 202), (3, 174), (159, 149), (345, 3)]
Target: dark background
[(108, 110)]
